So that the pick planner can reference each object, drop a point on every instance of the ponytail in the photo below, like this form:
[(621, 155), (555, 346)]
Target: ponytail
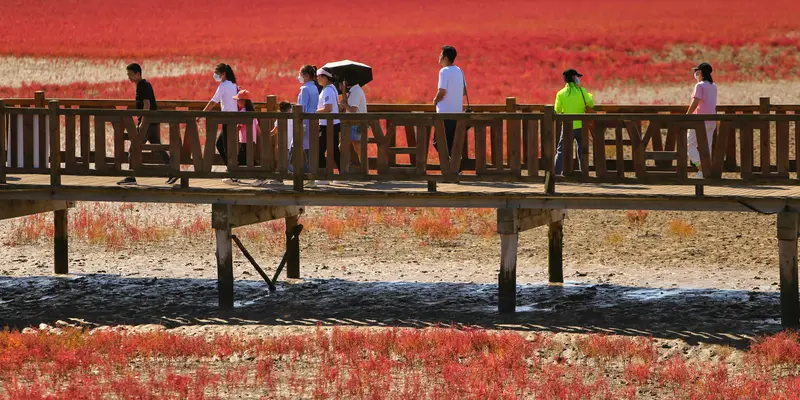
[(227, 70), (311, 71), (248, 105), (707, 77)]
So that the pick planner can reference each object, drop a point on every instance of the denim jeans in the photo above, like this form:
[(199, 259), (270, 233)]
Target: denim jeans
[(306, 155), (576, 135)]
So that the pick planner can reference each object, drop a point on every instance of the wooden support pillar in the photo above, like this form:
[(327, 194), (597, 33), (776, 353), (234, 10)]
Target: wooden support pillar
[(292, 249), (507, 279), (787, 256), (555, 253), (60, 241), (220, 221)]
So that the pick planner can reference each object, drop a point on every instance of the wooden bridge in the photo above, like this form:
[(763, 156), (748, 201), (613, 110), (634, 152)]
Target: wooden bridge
[(55, 152)]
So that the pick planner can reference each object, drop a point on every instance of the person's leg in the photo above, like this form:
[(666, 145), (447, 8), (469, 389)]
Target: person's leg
[(337, 153), (307, 161), (355, 143), (711, 127), (242, 156), (323, 145), (154, 137), (576, 133), (450, 134), (222, 144), (559, 155), (691, 145)]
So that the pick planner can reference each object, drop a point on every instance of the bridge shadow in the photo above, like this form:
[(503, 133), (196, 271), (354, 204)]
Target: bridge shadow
[(729, 317)]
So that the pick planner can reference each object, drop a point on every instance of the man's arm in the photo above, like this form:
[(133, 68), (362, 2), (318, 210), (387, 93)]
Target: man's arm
[(326, 108), (146, 104), (693, 105), (439, 96)]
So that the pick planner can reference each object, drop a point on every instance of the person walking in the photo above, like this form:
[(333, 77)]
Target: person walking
[(354, 101), (146, 100), (328, 103), (704, 101), (450, 95), (308, 98), (572, 99), (227, 89)]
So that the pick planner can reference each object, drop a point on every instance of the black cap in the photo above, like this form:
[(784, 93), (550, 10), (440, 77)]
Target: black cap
[(705, 67), (571, 72)]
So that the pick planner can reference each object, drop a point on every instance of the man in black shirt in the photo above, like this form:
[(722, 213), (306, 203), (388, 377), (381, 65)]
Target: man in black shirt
[(146, 100)]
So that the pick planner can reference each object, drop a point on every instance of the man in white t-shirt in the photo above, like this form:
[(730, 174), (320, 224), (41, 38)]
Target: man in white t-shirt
[(449, 98), (354, 102)]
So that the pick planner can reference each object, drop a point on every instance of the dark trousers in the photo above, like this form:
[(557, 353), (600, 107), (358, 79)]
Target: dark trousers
[(323, 145), (576, 135), (154, 137), (222, 147), (449, 133)]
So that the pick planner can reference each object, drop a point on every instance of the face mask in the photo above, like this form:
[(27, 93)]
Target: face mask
[(577, 80), (696, 75), (217, 77), (300, 79)]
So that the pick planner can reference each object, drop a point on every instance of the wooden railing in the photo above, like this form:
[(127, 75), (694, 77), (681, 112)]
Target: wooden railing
[(496, 143)]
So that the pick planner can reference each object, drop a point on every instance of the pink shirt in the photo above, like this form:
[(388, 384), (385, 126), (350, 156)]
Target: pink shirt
[(243, 130), (707, 94)]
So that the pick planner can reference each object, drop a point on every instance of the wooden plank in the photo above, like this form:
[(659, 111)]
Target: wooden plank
[(682, 149), (54, 125), (20, 208), (746, 147), (365, 150), (233, 146), (283, 146), (638, 148), (330, 160), (250, 146), (4, 120), (765, 140), (516, 220), (85, 142), (119, 143), (555, 252), (583, 151), (787, 260), (514, 145), (702, 147), (620, 156), (175, 146), (15, 140), (459, 143), (724, 134), (346, 147), (421, 157), (265, 144), (441, 144), (192, 135), (100, 144), (782, 148), (69, 150), (27, 141), (507, 279), (730, 152), (548, 139), (532, 147), (210, 151), (567, 138), (497, 145), (382, 142), (480, 148), (298, 147), (314, 145), (598, 134), (243, 215), (43, 140)]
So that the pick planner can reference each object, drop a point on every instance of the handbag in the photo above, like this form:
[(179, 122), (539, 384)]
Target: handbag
[(587, 110)]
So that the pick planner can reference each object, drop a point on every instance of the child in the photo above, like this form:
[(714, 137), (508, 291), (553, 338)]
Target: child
[(285, 107), (244, 104)]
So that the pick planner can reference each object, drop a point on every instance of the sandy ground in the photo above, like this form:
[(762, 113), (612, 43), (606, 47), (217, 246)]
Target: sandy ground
[(718, 286)]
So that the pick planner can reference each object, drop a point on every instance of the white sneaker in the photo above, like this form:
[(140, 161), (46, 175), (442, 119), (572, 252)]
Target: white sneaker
[(310, 184), (276, 182), (699, 175), (230, 181), (259, 183)]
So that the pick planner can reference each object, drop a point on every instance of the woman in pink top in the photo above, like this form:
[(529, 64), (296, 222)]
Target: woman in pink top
[(704, 101)]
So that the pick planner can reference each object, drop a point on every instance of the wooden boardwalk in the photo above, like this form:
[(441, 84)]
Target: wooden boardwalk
[(633, 157)]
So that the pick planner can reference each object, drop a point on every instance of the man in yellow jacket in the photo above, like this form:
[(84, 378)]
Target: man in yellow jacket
[(572, 99)]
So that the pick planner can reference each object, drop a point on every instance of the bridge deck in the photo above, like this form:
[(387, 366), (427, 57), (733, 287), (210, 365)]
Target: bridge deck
[(413, 194)]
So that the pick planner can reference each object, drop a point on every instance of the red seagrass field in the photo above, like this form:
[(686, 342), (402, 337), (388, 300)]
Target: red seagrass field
[(398, 303)]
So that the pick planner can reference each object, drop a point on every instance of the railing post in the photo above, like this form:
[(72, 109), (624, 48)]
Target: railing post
[(763, 105), (272, 106), (39, 99), (3, 139), (55, 144), (548, 149), (787, 259), (298, 156)]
